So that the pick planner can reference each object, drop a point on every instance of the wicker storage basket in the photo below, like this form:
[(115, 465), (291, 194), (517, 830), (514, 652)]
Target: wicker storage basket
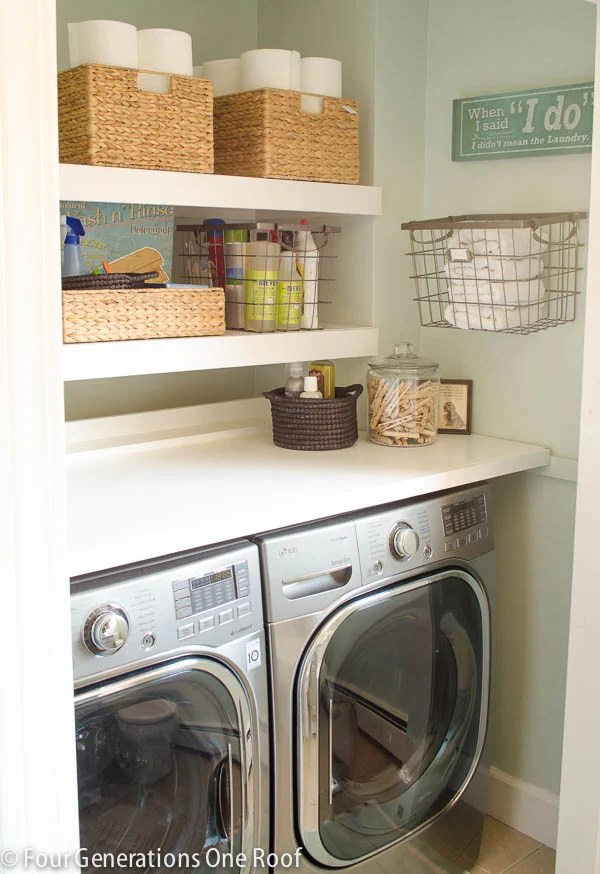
[(95, 315), (315, 423), (104, 119), (265, 133)]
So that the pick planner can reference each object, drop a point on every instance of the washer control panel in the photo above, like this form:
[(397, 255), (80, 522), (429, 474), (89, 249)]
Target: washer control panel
[(407, 536), (123, 616)]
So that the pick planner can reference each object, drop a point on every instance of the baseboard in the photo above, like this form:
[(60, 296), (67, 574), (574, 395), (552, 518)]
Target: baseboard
[(523, 806)]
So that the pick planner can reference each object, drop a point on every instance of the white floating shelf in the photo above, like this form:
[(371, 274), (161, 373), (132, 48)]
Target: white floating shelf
[(196, 190), (234, 349)]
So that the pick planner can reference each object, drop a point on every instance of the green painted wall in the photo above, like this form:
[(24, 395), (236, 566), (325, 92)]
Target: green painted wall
[(525, 388)]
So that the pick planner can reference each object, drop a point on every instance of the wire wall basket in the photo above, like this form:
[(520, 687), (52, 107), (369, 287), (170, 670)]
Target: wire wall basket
[(277, 277), (512, 273)]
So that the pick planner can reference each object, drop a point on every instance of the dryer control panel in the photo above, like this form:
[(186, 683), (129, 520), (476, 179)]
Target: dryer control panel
[(408, 536)]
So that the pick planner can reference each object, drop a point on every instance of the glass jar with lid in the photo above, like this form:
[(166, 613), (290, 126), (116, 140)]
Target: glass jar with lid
[(403, 399)]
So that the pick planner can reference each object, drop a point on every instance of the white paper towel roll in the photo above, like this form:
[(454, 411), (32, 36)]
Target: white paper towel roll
[(158, 83), (296, 75), (269, 68), (113, 43), (166, 51), (321, 76), (225, 76), (311, 103)]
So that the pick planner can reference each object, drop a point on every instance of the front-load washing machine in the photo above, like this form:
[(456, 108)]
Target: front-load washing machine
[(171, 711), (379, 632)]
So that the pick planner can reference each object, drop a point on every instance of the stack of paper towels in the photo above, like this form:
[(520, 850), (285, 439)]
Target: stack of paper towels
[(117, 44), (498, 285), (277, 68)]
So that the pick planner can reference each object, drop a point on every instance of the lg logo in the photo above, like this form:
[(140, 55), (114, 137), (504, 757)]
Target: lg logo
[(287, 550)]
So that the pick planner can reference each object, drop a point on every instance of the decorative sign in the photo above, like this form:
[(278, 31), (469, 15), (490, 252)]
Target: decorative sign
[(521, 124)]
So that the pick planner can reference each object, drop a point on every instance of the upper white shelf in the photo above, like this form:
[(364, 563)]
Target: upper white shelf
[(194, 190), (234, 349)]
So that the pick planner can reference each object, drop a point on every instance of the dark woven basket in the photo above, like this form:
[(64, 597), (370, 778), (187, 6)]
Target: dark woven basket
[(315, 423), (109, 280)]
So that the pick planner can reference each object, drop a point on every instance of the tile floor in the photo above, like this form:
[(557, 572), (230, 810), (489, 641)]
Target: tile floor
[(504, 850)]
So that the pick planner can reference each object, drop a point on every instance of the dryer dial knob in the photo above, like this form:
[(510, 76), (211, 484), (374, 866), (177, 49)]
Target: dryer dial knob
[(404, 541), (105, 629)]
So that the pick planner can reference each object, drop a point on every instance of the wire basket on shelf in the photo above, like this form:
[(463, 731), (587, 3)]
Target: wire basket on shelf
[(513, 273), (277, 276)]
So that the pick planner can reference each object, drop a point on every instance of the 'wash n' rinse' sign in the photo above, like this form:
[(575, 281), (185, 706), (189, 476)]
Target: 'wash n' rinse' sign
[(523, 123)]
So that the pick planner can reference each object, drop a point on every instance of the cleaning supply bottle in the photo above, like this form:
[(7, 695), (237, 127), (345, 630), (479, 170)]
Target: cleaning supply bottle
[(325, 373), (73, 261), (260, 281), (310, 388), (289, 293), (235, 252), (307, 263), (294, 384)]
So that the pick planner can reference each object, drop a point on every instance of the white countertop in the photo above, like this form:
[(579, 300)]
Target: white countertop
[(138, 501)]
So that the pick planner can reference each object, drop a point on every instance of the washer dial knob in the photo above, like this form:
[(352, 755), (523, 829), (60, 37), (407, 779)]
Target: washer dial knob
[(105, 629), (404, 541)]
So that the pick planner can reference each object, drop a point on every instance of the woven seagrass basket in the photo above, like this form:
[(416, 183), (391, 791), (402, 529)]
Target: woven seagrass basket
[(105, 120), (315, 423), (265, 133), (96, 315)]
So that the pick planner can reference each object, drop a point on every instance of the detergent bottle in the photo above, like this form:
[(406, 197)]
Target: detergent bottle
[(72, 261)]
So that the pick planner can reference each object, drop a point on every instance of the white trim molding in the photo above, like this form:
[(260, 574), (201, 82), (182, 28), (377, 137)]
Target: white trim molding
[(38, 786), (523, 806)]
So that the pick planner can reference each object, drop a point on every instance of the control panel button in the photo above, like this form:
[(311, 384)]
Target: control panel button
[(377, 567), (182, 600), (225, 616), (473, 536), (244, 609), (427, 552), (484, 533), (181, 586), (206, 624), (185, 631), (183, 613), (448, 546), (461, 541), (149, 639)]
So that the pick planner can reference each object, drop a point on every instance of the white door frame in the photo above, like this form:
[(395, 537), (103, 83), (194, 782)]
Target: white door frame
[(38, 787), (578, 848)]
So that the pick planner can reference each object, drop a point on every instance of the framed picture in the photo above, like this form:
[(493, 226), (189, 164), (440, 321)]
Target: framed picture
[(455, 406)]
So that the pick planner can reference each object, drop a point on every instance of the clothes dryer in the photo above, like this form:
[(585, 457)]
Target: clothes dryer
[(379, 631)]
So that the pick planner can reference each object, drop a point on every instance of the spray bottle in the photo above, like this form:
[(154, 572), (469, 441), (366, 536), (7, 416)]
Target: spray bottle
[(72, 262)]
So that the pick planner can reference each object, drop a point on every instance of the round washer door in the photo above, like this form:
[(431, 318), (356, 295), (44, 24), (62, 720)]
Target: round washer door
[(392, 700), (166, 763)]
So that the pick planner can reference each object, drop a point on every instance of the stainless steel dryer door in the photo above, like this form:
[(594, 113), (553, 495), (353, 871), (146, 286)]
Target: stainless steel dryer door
[(392, 700), (166, 765)]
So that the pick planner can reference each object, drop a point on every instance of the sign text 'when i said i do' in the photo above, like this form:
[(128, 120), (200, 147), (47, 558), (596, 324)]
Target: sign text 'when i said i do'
[(520, 124)]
